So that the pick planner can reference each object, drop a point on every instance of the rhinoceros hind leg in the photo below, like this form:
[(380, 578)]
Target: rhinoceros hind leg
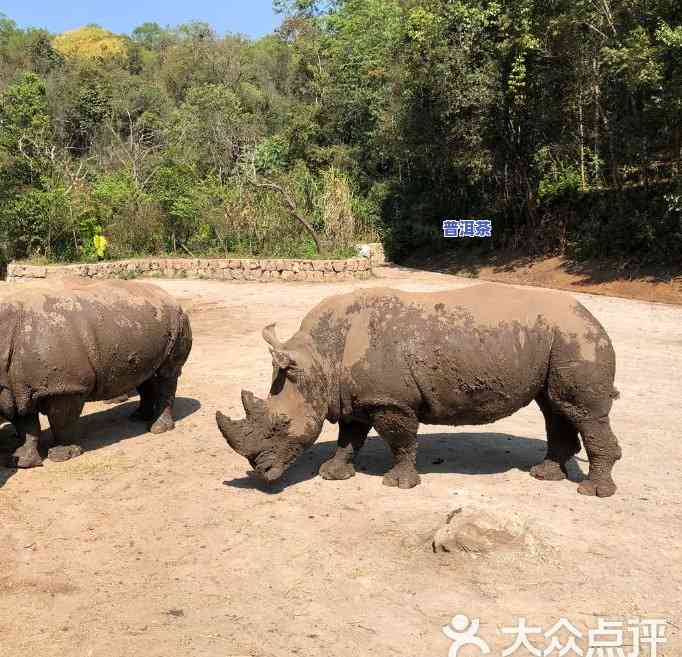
[(149, 394), (164, 405), (603, 451), (398, 428), (562, 443), (352, 437), (26, 456)]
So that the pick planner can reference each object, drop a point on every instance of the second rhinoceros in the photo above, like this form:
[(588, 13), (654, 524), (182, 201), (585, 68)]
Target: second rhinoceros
[(390, 359), (74, 341)]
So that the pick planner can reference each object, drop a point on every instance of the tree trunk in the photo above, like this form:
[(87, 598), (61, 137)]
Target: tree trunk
[(293, 208)]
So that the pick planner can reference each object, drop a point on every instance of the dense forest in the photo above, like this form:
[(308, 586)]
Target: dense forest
[(558, 120)]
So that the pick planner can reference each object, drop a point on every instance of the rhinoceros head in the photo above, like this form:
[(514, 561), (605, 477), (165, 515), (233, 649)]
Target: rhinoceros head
[(278, 430)]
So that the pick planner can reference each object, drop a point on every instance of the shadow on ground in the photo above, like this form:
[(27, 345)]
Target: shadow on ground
[(470, 262), (95, 430), (114, 425), (446, 453)]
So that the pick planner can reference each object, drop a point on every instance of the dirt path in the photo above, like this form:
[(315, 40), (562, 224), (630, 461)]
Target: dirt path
[(162, 546), (657, 284)]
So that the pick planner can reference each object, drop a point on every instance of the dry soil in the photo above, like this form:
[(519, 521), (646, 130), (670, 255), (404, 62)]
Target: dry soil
[(165, 546)]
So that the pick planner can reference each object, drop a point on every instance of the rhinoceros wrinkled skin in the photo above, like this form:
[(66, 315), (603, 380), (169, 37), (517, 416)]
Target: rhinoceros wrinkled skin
[(68, 342), (390, 359)]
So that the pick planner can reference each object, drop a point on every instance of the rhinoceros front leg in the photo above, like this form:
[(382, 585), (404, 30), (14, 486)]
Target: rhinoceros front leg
[(352, 436), (28, 430), (398, 428), (63, 412)]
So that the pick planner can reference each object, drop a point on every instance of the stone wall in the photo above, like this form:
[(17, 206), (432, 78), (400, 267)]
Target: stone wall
[(204, 268)]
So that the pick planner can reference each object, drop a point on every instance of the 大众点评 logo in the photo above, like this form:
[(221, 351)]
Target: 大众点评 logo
[(611, 638), (467, 228)]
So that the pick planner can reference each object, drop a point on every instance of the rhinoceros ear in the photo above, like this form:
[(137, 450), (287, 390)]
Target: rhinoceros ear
[(270, 336), (281, 358)]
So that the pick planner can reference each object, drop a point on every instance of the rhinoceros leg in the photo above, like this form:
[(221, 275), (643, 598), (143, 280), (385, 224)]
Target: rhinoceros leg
[(161, 394), (352, 436), (603, 451), (149, 395), (163, 420), (63, 413), (28, 429), (562, 443), (399, 429)]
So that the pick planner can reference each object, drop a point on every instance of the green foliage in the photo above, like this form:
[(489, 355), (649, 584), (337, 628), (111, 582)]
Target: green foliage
[(24, 118), (36, 222), (372, 119)]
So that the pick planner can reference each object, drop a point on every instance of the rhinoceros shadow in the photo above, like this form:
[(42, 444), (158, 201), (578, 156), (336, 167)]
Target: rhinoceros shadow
[(113, 425), (447, 453), (95, 430)]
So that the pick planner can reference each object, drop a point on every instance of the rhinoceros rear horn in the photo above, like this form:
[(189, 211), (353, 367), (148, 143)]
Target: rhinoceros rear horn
[(252, 405)]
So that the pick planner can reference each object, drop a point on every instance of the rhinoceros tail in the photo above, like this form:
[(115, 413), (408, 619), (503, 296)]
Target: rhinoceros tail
[(615, 393)]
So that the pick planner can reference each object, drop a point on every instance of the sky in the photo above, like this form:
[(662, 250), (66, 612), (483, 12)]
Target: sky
[(251, 17)]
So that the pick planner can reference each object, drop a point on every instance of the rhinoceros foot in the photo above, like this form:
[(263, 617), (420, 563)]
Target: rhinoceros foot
[(336, 470), (64, 453), (163, 424), (599, 488), (402, 477), (25, 457), (548, 471)]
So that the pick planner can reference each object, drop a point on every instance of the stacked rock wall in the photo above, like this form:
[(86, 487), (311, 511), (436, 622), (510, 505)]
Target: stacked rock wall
[(226, 269)]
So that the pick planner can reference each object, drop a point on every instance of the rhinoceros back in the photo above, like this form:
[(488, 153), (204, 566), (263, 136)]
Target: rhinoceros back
[(463, 356), (95, 339)]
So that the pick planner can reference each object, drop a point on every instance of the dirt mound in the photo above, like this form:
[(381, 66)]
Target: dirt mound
[(478, 531)]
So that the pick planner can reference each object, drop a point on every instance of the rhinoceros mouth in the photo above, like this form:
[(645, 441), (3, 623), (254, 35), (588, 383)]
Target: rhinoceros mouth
[(269, 465)]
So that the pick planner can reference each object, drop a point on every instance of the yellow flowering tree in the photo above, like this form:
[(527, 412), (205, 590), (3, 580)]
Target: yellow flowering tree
[(91, 42)]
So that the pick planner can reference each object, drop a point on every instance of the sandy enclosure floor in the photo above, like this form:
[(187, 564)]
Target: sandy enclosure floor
[(165, 546)]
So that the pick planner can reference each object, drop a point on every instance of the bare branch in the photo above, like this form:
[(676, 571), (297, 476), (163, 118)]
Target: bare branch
[(293, 208)]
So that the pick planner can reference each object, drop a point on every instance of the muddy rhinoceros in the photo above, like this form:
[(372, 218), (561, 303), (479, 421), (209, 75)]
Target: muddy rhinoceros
[(68, 342), (389, 359)]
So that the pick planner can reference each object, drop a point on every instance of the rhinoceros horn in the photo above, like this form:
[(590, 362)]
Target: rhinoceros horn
[(246, 436)]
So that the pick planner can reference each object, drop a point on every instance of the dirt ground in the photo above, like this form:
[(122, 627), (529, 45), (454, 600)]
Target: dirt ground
[(164, 546), (657, 284)]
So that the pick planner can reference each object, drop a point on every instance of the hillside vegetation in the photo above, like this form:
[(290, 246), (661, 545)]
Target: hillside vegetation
[(356, 119)]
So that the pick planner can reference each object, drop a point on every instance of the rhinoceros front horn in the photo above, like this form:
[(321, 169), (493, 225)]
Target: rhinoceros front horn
[(233, 431), (246, 436)]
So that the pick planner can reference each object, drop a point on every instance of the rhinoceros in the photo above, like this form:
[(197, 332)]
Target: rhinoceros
[(390, 359), (68, 342)]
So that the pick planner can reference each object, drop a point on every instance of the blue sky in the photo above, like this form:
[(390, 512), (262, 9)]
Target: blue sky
[(252, 17)]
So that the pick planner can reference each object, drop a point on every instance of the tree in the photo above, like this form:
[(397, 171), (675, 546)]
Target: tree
[(92, 42)]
